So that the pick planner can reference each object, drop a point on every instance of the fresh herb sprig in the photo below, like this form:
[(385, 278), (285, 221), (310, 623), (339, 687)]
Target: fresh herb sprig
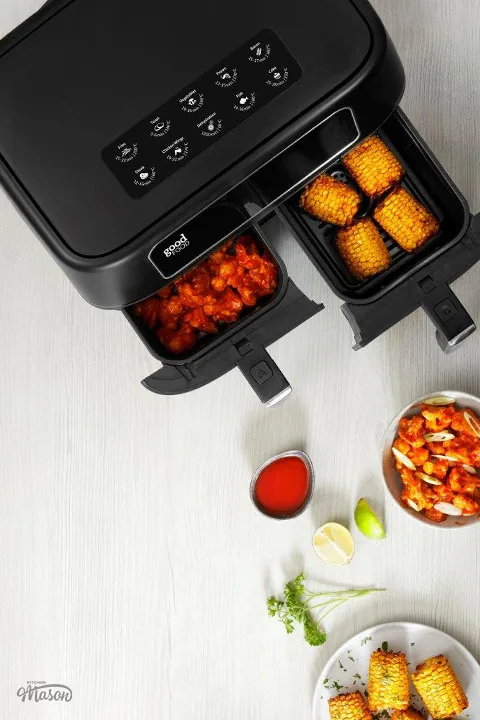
[(309, 609)]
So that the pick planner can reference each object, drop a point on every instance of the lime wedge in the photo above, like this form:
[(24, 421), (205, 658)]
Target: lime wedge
[(334, 544), (367, 522)]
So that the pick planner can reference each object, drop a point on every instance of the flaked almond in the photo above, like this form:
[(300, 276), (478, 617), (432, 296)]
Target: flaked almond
[(413, 505), (440, 400), (428, 478), (473, 422), (403, 459), (448, 509), (446, 457), (439, 437), (469, 469)]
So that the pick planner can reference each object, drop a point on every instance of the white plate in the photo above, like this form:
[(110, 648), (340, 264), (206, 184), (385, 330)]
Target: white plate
[(347, 669)]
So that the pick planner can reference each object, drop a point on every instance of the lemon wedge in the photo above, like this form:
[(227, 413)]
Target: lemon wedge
[(334, 544)]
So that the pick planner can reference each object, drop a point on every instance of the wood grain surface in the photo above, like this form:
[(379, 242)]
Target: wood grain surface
[(133, 566)]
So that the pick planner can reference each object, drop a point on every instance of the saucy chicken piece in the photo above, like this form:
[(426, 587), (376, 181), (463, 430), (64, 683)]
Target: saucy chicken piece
[(468, 505), (219, 255), (264, 275), (248, 290), (462, 426), (246, 252), (459, 449), (402, 445), (201, 322), (177, 341), (149, 311), (413, 491), (194, 288), (224, 271), (462, 482), (437, 468), (261, 268), (475, 455), (226, 307), (436, 516), (436, 448), (440, 493), (412, 430), (170, 312), (418, 455), (465, 448), (437, 418)]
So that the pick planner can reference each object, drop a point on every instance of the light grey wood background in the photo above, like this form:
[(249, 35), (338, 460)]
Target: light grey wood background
[(132, 566)]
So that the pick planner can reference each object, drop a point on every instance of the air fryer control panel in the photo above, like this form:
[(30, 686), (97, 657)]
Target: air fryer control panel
[(203, 112)]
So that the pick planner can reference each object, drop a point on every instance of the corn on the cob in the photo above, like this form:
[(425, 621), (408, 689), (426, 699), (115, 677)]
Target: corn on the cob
[(373, 165), (439, 688), (362, 249), (409, 714), (330, 200), (408, 222), (388, 683), (349, 707)]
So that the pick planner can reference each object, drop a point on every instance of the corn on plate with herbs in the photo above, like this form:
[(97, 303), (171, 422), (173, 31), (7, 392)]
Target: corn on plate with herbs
[(409, 714), (439, 687), (351, 706), (388, 681)]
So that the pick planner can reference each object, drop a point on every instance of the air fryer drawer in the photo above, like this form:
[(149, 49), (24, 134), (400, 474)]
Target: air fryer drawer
[(241, 343), (413, 279)]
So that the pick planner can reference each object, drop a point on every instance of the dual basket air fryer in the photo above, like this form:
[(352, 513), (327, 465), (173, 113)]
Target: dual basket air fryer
[(372, 305), (133, 160)]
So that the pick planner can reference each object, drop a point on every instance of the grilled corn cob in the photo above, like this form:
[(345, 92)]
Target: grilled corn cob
[(409, 714), (408, 222), (362, 249), (330, 200), (349, 707), (439, 688), (373, 166), (388, 683)]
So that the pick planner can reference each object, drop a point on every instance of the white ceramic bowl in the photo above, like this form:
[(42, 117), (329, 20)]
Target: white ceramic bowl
[(391, 476)]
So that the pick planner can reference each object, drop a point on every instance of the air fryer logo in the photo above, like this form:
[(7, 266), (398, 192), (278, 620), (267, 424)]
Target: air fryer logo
[(177, 246)]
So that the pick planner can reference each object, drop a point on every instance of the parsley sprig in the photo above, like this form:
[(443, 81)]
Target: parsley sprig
[(309, 609)]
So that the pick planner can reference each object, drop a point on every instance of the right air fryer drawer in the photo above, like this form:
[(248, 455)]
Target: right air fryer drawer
[(388, 230)]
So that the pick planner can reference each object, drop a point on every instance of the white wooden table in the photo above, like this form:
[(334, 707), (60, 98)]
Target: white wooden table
[(133, 567)]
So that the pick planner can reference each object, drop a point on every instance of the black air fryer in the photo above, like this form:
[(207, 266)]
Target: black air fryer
[(136, 139)]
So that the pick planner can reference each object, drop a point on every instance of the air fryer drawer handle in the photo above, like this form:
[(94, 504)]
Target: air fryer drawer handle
[(263, 374), (447, 313)]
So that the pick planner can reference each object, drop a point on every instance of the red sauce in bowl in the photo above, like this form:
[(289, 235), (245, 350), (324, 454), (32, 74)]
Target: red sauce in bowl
[(282, 487)]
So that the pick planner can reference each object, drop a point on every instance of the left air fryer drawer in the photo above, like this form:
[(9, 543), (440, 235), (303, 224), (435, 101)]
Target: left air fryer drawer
[(221, 314)]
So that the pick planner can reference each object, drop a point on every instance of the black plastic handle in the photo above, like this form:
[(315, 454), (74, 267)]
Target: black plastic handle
[(447, 313), (263, 374)]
